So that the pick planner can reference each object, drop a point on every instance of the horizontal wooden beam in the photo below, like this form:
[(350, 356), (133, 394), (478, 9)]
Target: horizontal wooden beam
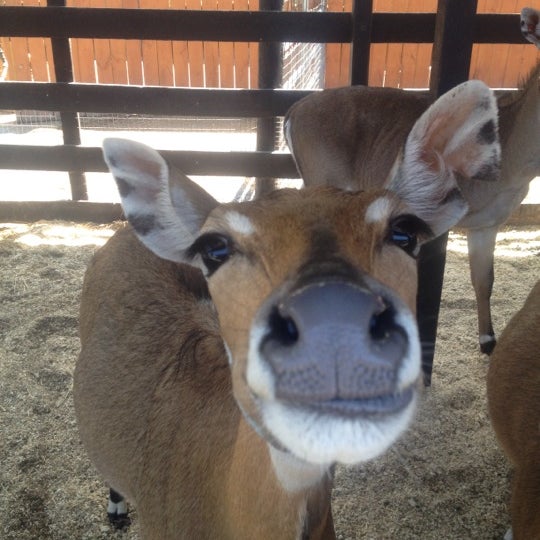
[(80, 211), (154, 100), (184, 25), (87, 159), (246, 26), (83, 211)]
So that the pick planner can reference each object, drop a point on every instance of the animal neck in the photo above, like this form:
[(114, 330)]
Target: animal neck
[(519, 121), (264, 483)]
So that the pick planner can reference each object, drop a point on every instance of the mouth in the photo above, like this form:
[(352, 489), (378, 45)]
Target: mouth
[(370, 408)]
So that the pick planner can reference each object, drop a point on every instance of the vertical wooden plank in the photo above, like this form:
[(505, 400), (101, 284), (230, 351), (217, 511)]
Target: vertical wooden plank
[(164, 53), (196, 53), (102, 52), (5, 54), (82, 52), (211, 53), (241, 54), (333, 51), (241, 65), (180, 53), (422, 69), (133, 52), (37, 58), (19, 65), (414, 59), (377, 66), (83, 59), (226, 52), (117, 49), (394, 54), (254, 5), (488, 56), (150, 60)]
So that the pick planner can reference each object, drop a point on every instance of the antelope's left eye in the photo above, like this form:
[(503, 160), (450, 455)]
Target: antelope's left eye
[(214, 249), (404, 232)]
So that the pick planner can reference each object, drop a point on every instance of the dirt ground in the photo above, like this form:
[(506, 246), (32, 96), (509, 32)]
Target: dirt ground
[(446, 479)]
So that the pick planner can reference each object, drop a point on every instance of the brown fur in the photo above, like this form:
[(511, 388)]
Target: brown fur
[(513, 385), (150, 336)]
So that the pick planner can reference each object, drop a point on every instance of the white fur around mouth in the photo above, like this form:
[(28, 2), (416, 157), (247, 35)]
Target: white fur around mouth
[(321, 437)]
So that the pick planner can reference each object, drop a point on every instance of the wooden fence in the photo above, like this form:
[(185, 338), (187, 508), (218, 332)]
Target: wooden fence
[(453, 31), (219, 64)]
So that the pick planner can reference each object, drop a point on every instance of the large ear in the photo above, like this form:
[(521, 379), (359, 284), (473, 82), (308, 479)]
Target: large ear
[(456, 136), (165, 208)]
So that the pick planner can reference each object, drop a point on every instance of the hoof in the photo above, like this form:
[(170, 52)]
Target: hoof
[(117, 510), (119, 521), (487, 344)]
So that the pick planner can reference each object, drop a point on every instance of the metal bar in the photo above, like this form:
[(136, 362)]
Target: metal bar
[(361, 41), (451, 60)]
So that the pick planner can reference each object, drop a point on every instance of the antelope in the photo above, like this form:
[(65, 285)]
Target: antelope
[(250, 346), (513, 389), (350, 138), (530, 25)]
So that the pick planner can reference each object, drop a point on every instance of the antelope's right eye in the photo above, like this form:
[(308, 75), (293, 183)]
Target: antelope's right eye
[(214, 249)]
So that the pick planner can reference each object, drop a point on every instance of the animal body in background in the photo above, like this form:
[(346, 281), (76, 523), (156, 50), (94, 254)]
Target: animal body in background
[(530, 25), (351, 137), (233, 353), (513, 386)]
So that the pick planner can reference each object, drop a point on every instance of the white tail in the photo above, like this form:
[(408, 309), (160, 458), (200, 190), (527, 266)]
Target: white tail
[(350, 138), (219, 403), (513, 386)]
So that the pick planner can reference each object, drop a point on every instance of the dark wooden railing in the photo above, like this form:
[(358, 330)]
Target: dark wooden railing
[(453, 30)]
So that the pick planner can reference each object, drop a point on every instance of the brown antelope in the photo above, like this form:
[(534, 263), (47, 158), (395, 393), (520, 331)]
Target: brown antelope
[(350, 138), (513, 386), (530, 25), (295, 348)]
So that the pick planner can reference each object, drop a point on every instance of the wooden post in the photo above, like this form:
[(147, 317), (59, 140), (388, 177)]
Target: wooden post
[(270, 76), (361, 41), (63, 69), (451, 58)]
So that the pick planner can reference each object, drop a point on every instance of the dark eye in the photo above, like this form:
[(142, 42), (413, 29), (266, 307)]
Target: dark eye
[(404, 232), (214, 249)]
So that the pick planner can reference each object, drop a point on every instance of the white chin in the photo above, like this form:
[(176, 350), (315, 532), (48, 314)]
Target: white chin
[(325, 438)]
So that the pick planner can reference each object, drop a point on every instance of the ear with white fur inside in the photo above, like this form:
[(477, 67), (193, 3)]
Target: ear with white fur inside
[(456, 136), (165, 207)]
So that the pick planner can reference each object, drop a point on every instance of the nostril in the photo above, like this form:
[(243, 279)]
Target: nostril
[(282, 328), (382, 322)]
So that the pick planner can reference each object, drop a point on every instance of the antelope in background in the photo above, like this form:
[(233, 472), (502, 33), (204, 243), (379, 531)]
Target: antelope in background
[(350, 137), (248, 347), (513, 386), (530, 25)]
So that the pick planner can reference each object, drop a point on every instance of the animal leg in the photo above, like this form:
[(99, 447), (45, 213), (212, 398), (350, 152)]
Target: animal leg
[(117, 510), (481, 243)]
